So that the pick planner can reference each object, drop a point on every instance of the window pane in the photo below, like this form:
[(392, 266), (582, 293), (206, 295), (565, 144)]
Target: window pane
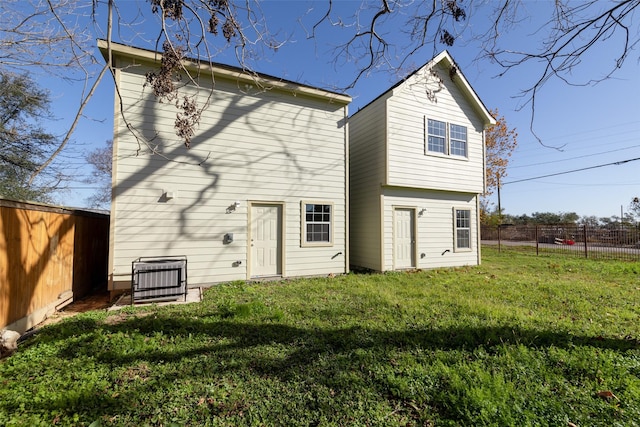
[(458, 132), (437, 128), (437, 133), (458, 135), (463, 240), (463, 229), (436, 144), (463, 218), (458, 148), (318, 222)]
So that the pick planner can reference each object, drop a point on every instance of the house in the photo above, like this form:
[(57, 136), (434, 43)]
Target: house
[(417, 168), (262, 192)]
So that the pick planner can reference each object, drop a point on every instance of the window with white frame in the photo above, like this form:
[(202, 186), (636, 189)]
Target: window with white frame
[(317, 224), (458, 138), (437, 136), (462, 230), (448, 139)]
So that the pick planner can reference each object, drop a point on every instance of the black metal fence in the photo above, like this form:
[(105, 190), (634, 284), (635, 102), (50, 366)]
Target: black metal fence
[(622, 242)]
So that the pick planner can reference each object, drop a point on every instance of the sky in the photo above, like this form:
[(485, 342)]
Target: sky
[(579, 127)]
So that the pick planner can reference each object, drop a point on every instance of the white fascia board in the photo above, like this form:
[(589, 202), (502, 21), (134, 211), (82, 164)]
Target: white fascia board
[(464, 85), (227, 71)]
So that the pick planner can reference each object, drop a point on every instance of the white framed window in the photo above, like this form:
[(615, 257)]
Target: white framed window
[(446, 138), (436, 136), (458, 138), (317, 223), (462, 229)]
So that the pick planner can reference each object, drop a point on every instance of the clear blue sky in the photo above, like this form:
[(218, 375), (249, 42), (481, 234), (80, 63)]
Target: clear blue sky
[(588, 125)]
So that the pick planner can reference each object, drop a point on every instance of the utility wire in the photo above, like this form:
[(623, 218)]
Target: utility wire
[(574, 170), (574, 158)]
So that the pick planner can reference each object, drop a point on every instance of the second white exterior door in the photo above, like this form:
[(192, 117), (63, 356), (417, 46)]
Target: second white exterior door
[(404, 238)]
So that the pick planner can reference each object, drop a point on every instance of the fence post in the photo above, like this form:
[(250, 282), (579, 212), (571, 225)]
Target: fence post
[(537, 242), (499, 241), (584, 236)]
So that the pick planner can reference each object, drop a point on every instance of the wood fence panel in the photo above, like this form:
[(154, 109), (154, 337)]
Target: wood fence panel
[(91, 254), (42, 260)]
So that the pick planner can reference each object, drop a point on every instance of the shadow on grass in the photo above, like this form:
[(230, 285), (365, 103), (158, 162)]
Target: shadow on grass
[(209, 350), (305, 345)]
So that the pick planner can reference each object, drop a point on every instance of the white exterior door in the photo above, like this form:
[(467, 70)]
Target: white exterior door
[(266, 240), (404, 238)]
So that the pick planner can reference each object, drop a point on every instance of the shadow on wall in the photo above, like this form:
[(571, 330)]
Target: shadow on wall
[(212, 151)]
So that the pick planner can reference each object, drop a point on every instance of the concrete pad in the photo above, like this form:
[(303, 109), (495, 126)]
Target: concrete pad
[(193, 295)]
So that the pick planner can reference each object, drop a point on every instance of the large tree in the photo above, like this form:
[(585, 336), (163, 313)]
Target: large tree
[(392, 36), (24, 144)]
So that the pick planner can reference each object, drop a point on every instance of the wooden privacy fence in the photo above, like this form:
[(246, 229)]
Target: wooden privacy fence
[(49, 256), (621, 242)]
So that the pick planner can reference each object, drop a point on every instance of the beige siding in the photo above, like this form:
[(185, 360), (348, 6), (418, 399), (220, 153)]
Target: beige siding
[(367, 135), (435, 226), (250, 146), (409, 166), (391, 169)]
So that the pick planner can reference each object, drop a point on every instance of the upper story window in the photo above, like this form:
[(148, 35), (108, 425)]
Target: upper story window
[(437, 132), (458, 138), (446, 139)]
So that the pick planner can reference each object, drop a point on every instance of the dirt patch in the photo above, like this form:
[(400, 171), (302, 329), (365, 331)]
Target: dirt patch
[(115, 319), (97, 301), (119, 317)]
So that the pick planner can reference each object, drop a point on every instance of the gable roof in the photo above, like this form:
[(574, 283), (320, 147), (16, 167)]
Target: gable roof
[(459, 79), (225, 71)]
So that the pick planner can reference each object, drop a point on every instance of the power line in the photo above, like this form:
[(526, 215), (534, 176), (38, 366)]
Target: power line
[(572, 171), (582, 184), (574, 158), (534, 145)]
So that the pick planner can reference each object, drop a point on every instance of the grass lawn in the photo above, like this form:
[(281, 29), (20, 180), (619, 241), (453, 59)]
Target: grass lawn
[(520, 340)]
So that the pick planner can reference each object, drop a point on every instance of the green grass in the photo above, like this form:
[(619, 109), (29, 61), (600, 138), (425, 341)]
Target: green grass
[(519, 341)]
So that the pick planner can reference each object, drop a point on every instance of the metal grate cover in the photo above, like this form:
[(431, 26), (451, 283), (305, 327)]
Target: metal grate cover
[(154, 279)]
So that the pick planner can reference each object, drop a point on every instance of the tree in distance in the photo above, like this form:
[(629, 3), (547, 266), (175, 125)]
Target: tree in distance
[(24, 144), (500, 143), (101, 160)]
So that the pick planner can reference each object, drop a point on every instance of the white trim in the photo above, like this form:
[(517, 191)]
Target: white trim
[(229, 72), (114, 176), (347, 189)]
